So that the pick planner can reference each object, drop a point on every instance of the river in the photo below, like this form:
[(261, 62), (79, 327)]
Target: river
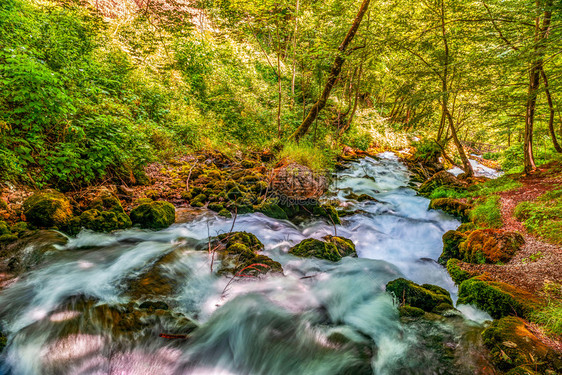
[(67, 316)]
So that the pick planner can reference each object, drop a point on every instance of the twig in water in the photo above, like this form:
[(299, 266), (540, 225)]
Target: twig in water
[(240, 273)]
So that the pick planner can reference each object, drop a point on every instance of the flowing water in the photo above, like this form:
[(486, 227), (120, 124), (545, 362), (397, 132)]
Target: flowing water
[(74, 313)]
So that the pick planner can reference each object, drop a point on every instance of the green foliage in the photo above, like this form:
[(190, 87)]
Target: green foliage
[(312, 157), (427, 151), (486, 212), (544, 216), (550, 315)]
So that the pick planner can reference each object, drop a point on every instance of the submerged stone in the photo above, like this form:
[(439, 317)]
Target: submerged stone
[(154, 215), (315, 248)]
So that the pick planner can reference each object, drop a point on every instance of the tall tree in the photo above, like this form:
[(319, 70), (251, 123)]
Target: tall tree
[(333, 76)]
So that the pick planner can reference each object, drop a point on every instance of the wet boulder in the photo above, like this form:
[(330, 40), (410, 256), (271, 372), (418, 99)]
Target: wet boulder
[(429, 298), (154, 215), (333, 249), (327, 211), (452, 206), (239, 253), (451, 242), (48, 209), (496, 298), (514, 348)]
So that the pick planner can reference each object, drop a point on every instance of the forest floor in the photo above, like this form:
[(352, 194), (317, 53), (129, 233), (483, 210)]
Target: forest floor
[(524, 270)]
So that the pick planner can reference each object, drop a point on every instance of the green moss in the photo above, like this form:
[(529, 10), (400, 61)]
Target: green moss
[(514, 348), (3, 341), (217, 207), (107, 202), (345, 246), (104, 221), (234, 193), (451, 241), (490, 246), (47, 209), (19, 227), (6, 238), (453, 207), (457, 273), (271, 209), (4, 228), (426, 297), (410, 311), (154, 215), (328, 211), (496, 298), (225, 213), (199, 200), (315, 248)]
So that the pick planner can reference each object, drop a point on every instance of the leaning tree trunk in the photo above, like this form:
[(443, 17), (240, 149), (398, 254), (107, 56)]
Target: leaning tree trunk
[(334, 73)]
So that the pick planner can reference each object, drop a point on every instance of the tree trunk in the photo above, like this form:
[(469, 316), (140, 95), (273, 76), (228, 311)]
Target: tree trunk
[(334, 73), (467, 167), (279, 132), (552, 113), (541, 33), (295, 53)]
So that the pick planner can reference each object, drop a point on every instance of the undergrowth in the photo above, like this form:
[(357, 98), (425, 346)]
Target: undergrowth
[(486, 212), (550, 316), (544, 216), (493, 186)]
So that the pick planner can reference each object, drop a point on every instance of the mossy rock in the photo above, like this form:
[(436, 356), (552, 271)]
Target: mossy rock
[(4, 229), (440, 179), (496, 298), (240, 256), (104, 221), (271, 208), (107, 202), (514, 348), (451, 242), (408, 311), (234, 193), (47, 209), (225, 213), (199, 200), (490, 246), (3, 341), (426, 297), (453, 207), (345, 246), (7, 238), (154, 215), (248, 163), (457, 273), (217, 207), (19, 227), (366, 197), (315, 248), (328, 211)]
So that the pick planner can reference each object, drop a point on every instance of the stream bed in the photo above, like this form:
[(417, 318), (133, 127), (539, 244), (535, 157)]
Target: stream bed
[(77, 313)]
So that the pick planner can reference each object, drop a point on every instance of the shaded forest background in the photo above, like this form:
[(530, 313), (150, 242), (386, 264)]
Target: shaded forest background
[(92, 91)]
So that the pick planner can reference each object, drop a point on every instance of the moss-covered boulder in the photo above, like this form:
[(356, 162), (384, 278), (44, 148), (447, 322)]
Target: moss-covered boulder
[(451, 242), (513, 346), (430, 298), (106, 201), (407, 311), (453, 207), (315, 248), (345, 246), (270, 208), (441, 179), (104, 221), (47, 209), (4, 229), (457, 273), (327, 211), (154, 215), (490, 246), (239, 253), (496, 298)]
